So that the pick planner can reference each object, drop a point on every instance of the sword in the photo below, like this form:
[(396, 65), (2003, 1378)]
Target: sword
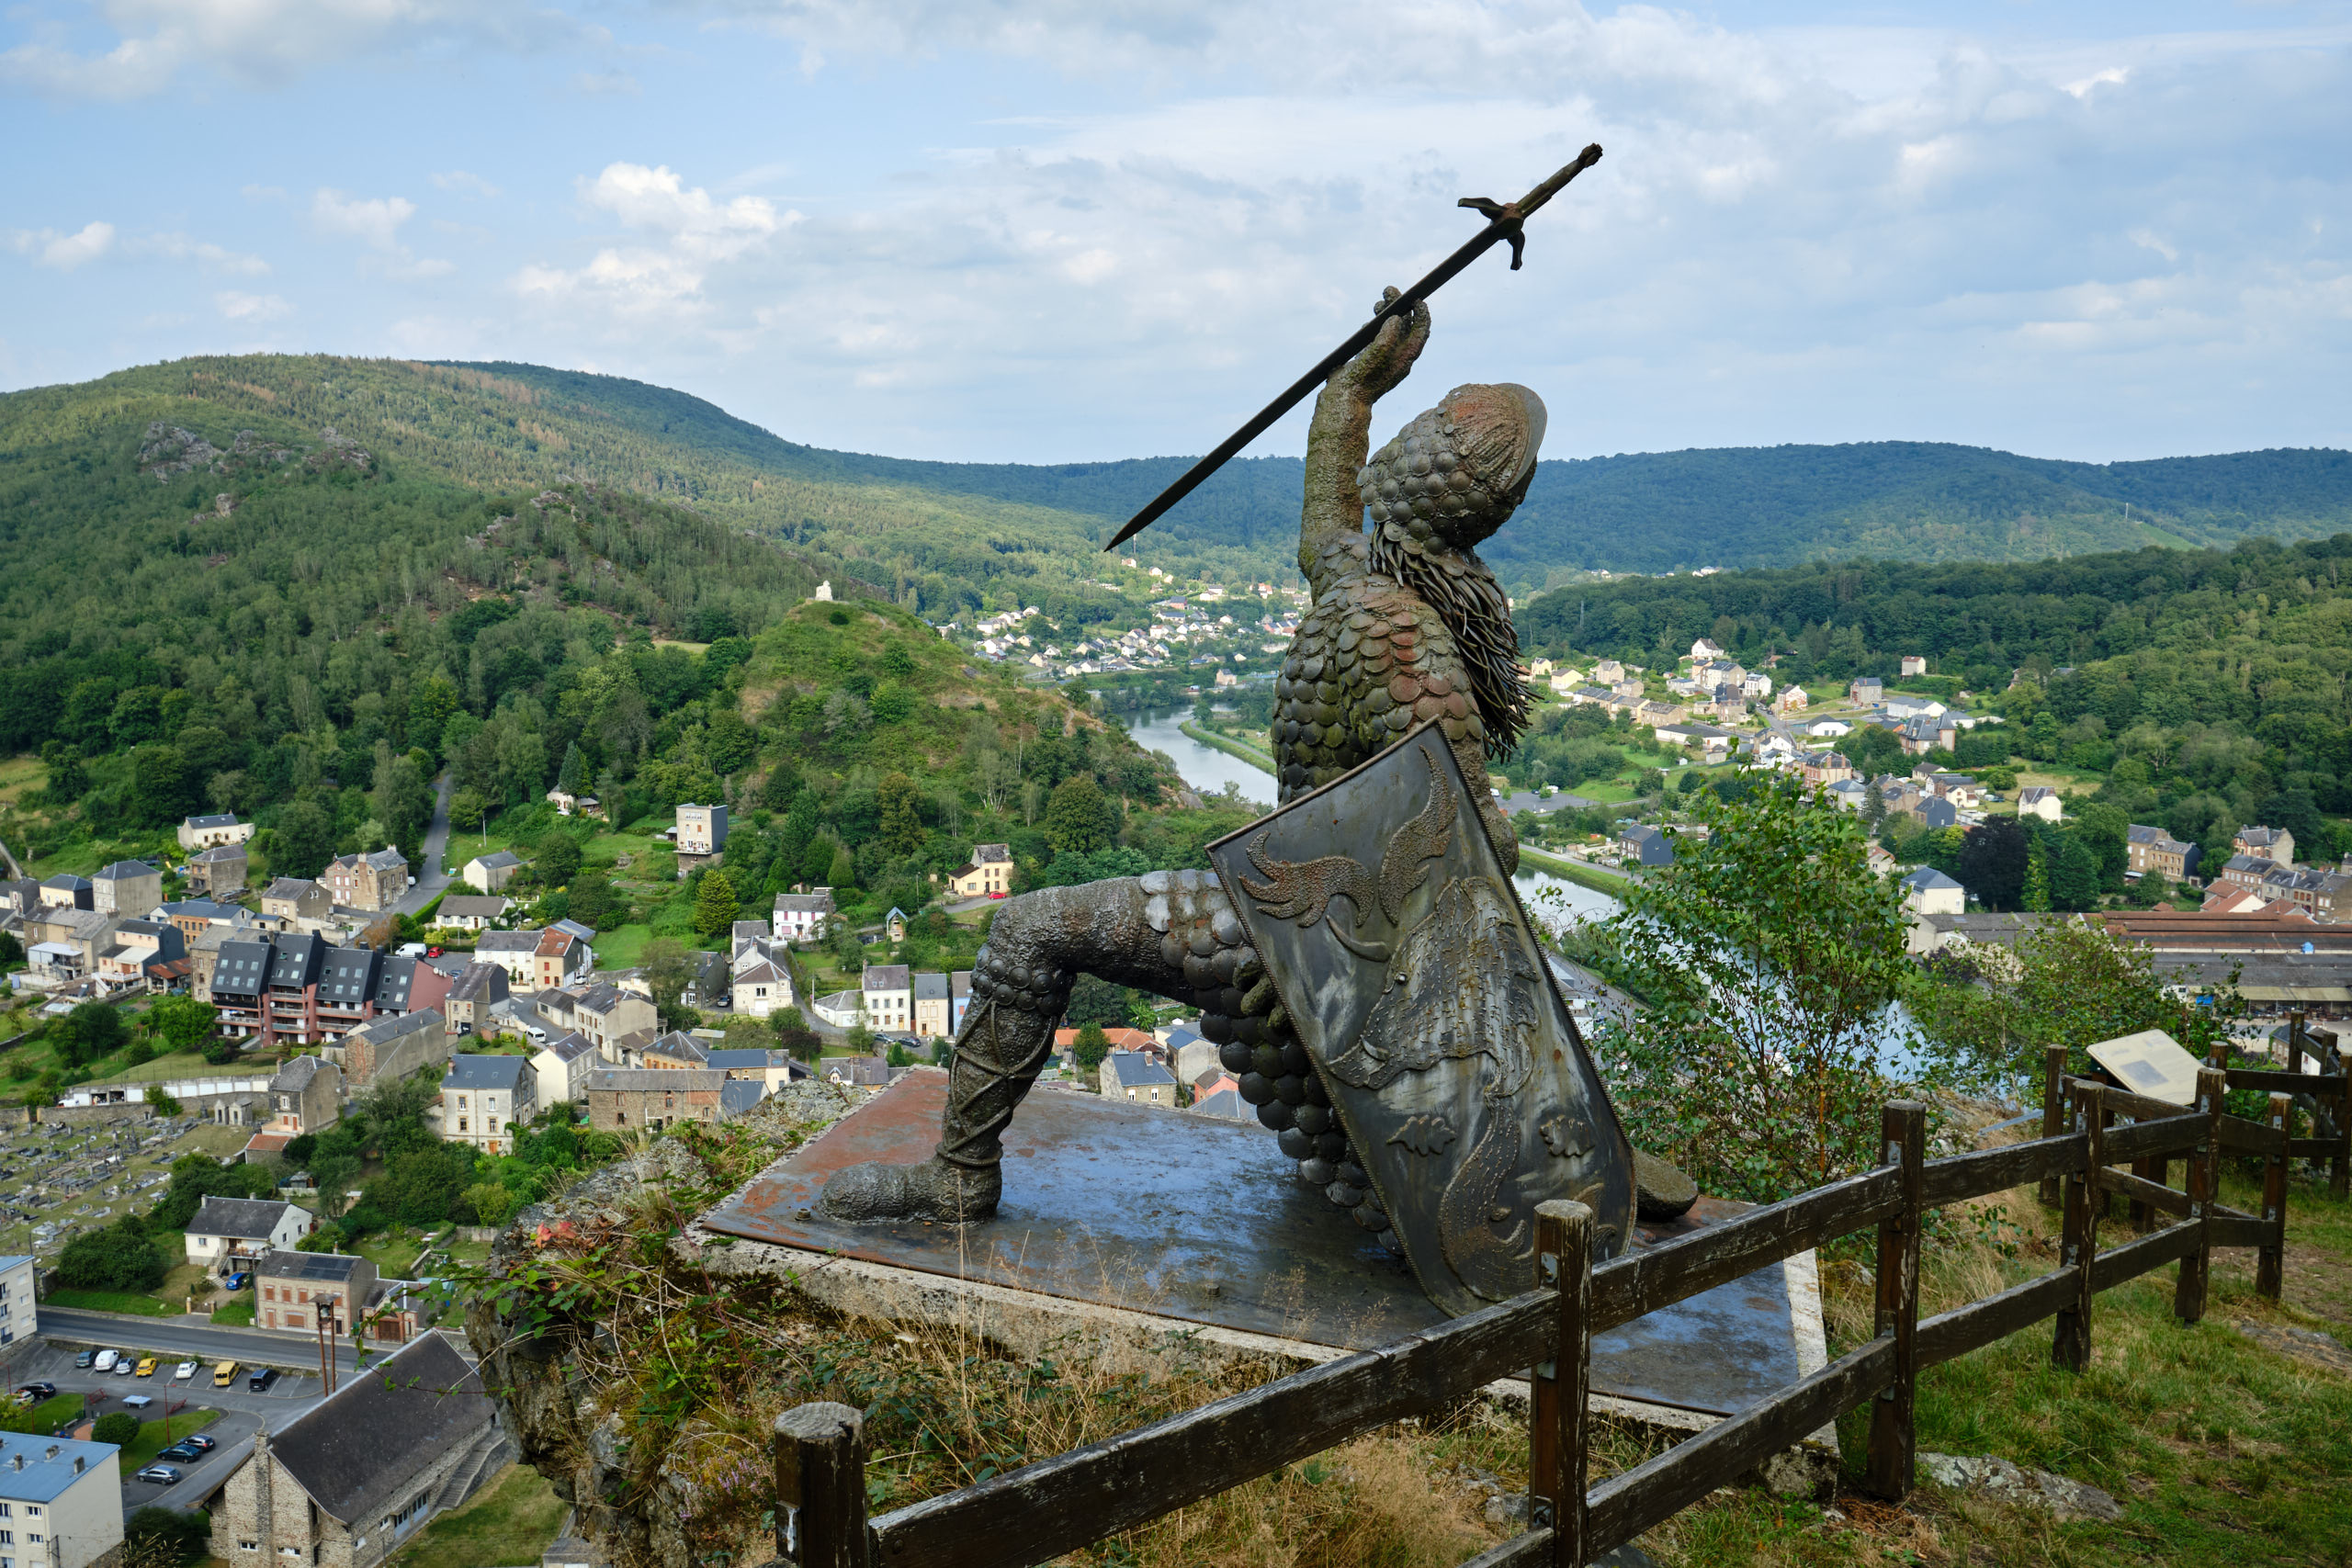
[(1504, 220)]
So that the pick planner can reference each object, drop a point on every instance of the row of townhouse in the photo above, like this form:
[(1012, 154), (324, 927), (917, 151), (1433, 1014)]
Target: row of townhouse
[(297, 988)]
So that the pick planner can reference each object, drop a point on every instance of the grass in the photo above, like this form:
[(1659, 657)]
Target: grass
[(1581, 873), (237, 1314), (19, 774), (50, 1414), (1256, 756), (154, 1437), (623, 947), (128, 1301), (509, 1521), (392, 1256)]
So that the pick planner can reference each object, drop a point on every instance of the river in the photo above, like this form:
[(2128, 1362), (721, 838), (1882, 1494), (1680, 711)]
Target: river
[(1549, 898)]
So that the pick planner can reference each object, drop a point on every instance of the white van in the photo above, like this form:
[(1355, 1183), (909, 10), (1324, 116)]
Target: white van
[(105, 1363)]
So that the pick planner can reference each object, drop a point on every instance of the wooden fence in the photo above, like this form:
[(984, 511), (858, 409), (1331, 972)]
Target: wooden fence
[(1034, 1514)]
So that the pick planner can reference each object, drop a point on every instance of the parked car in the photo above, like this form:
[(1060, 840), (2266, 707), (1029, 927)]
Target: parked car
[(146, 1366), (224, 1375), (33, 1393), (185, 1452), (105, 1362), (137, 1400), (85, 1359), (125, 1363), (238, 1280), (200, 1442), (187, 1370), (261, 1380), (161, 1475)]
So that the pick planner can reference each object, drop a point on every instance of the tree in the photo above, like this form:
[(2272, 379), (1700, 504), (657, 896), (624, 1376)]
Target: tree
[(12, 951), (555, 859), (667, 971), (716, 905), (490, 1202), (120, 1257), (1078, 818), (1873, 808), (1771, 959), (163, 783), (573, 777), (1091, 1047), (304, 840), (2074, 876), (841, 872), (91, 1031), (161, 1099), (796, 1039), (2036, 896), (182, 1024), (163, 1537), (119, 1428), (1992, 862), (728, 742), (900, 830), (777, 789)]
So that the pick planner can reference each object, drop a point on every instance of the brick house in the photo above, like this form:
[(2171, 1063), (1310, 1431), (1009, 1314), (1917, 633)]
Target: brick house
[(2274, 844), (352, 1479), (471, 996), (291, 1289), (2147, 850), (371, 883)]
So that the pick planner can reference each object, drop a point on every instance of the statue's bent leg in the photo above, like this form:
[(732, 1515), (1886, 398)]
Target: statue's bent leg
[(1171, 933)]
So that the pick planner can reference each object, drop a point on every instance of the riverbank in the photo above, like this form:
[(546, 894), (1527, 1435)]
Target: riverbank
[(1263, 760), (1581, 873)]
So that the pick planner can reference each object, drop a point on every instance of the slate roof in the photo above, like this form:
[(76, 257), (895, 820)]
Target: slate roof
[(125, 868), (383, 1030), (568, 1048), (316, 1267), (1133, 1069), (1225, 1104), (296, 1076), (473, 906), (679, 1047), (885, 977), (344, 977), (359, 1450), (1927, 878), (738, 1095), (681, 1080), (287, 887), (65, 881), (506, 942), (237, 1216), (931, 986), (477, 979), (498, 860), (219, 854), (484, 1072), (225, 820), (243, 968)]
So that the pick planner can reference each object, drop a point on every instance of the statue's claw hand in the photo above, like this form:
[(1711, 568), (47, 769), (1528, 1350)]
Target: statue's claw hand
[(1389, 357)]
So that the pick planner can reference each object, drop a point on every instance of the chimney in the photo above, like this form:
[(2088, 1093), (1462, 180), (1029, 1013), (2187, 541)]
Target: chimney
[(77, 1465)]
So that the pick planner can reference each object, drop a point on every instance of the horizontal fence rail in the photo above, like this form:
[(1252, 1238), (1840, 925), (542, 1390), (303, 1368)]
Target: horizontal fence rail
[(1058, 1505)]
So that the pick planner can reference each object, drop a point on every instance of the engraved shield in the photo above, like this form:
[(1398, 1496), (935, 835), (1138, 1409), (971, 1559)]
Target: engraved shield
[(1412, 977)]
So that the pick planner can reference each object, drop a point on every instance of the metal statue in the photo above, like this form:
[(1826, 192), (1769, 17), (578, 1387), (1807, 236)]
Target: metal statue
[(1407, 625)]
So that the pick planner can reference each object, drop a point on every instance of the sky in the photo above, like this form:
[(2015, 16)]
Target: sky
[(1050, 230)]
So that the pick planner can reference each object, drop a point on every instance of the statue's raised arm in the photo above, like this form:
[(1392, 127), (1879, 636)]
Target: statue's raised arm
[(1339, 436)]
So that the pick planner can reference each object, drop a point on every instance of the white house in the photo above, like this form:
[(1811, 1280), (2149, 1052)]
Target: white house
[(889, 997), (61, 1501), (842, 1009), (1927, 891), (460, 911), (799, 917), (761, 984), (1828, 727), (230, 1234), (211, 832), (562, 1067), (514, 952), (16, 1297), (483, 1096), (1704, 650), (2040, 800), (492, 871)]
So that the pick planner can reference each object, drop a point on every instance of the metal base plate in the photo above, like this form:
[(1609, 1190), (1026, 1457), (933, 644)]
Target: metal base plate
[(1205, 1221)]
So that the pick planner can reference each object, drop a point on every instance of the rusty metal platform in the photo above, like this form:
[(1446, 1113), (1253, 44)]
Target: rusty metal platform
[(1204, 1220)]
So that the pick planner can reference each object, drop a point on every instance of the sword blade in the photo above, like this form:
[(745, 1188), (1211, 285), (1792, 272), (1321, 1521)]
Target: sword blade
[(1496, 230)]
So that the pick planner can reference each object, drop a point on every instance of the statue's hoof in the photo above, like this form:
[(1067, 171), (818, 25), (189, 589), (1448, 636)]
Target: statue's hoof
[(935, 1190), (1661, 1192)]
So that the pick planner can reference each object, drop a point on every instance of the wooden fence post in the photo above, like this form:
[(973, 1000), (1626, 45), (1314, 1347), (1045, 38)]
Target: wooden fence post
[(2053, 1111), (2339, 1175), (1903, 1138), (2270, 1260), (1559, 1438), (2295, 1042), (2071, 1344), (2204, 1185), (820, 1486)]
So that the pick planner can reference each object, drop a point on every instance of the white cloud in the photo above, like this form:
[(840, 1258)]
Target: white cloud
[(374, 220), (692, 231), (253, 308), (64, 251), (607, 84), (267, 43), (181, 248), (465, 183)]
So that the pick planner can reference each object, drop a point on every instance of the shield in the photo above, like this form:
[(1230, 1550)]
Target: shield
[(1413, 980)]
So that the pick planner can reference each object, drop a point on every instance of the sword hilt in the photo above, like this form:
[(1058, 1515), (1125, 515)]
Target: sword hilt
[(1505, 213)]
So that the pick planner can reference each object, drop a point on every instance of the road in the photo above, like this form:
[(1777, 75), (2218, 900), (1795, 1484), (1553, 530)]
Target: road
[(431, 878)]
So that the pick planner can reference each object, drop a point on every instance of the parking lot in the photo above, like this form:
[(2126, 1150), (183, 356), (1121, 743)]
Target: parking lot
[(242, 1413)]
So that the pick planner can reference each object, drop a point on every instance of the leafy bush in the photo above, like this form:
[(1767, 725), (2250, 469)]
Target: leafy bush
[(119, 1428)]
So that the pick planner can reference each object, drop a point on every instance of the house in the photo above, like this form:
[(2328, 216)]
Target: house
[(2149, 850), (842, 1009), (293, 1289), (701, 835), (230, 1234), (1793, 699), (1851, 793), (213, 832), (1934, 811), (514, 952), (136, 949), (559, 957), (603, 1011), (1654, 715), (1608, 671), (933, 1015), (624, 1098), (1866, 691), (2320, 894), (857, 1072), (889, 997), (1131, 1075), (2274, 844), (468, 912), (61, 1501), (959, 998), (567, 803), (1923, 733), (1135, 1039), (492, 871), (1927, 891), (63, 942), (218, 871), (760, 983), (1704, 650), (352, 1479), (802, 916), (66, 891), (482, 1098), (676, 1051), (294, 987), (16, 1304), (1756, 685), (894, 924), (989, 871), (471, 996), (1826, 767), (295, 899), (2040, 800), (371, 883), (1828, 729), (562, 1066), (386, 1050), (1902, 704), (1645, 845), (1225, 1104), (128, 888), (306, 1096), (1914, 664)]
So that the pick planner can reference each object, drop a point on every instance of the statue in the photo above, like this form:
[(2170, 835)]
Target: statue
[(1407, 629)]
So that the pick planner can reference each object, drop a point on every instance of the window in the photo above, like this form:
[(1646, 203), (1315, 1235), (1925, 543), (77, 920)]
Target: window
[(461, 1124), (248, 1546), (294, 1320)]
